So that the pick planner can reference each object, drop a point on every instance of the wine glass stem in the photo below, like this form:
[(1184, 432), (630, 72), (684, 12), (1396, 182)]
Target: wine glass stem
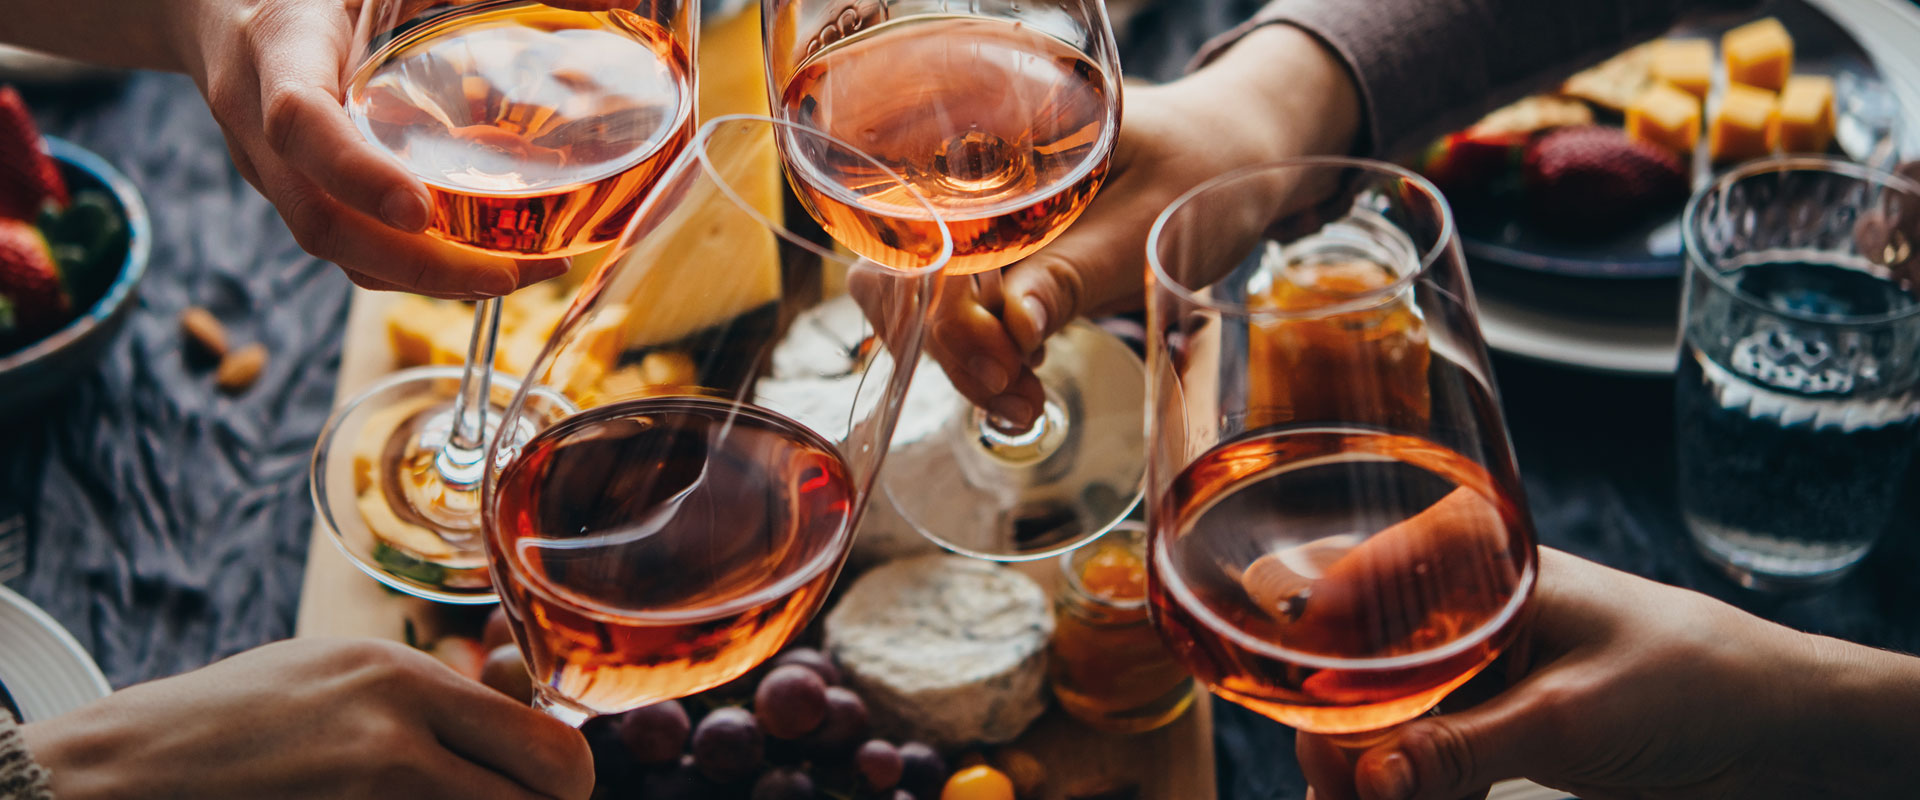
[(1013, 444), (459, 461), (565, 713)]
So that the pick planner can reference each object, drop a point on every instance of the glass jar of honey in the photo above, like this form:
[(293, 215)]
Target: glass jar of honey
[(1109, 668)]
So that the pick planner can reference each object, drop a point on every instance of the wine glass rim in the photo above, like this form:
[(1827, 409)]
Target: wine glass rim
[(697, 148), (1184, 596), (830, 554), (1363, 300), (1693, 247)]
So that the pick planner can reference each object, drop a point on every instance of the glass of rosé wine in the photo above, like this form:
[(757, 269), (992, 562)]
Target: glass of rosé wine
[(736, 378), (1338, 533), (537, 129), (1002, 115)]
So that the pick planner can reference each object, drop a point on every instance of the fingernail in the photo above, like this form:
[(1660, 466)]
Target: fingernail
[(1010, 409), (1394, 777), (1036, 312), (989, 374), (544, 269), (497, 283), (404, 210)]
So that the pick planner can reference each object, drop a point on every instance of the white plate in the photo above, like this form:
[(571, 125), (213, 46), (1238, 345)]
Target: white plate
[(45, 670), (1524, 790), (1887, 29)]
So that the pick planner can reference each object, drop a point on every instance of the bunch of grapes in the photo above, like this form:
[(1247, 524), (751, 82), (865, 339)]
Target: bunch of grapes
[(797, 735)]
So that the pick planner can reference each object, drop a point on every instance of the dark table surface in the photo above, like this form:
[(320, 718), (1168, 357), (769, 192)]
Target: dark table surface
[(168, 522)]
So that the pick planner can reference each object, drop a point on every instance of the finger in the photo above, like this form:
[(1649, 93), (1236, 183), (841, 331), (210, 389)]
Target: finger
[(1328, 769), (421, 264), (489, 728), (451, 776), (370, 283), (300, 47), (971, 344), (535, 270), (1458, 755)]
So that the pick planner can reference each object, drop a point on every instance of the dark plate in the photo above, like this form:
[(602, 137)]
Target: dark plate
[(1495, 232)]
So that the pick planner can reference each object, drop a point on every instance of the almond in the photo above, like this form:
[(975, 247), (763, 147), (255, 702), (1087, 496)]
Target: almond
[(204, 330), (240, 368)]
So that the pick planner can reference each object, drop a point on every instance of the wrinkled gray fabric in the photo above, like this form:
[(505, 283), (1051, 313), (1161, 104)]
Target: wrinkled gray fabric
[(168, 521)]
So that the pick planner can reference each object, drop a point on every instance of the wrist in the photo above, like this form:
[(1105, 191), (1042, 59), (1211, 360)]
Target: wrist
[(79, 750), (1853, 713), (1292, 93)]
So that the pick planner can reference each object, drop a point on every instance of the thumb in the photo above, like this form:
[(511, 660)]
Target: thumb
[(1457, 755), (1040, 295)]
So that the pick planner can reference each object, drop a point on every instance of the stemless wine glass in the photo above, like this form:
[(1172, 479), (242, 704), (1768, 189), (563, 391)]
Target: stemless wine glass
[(537, 129), (1002, 114), (737, 379), (1338, 533)]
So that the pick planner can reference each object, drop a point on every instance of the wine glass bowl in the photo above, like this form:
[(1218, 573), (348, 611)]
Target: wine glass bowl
[(1339, 537), (536, 128), (742, 376), (1001, 117)]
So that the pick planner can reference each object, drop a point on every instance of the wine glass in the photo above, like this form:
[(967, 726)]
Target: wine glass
[(537, 129), (1338, 533), (746, 374), (1002, 114)]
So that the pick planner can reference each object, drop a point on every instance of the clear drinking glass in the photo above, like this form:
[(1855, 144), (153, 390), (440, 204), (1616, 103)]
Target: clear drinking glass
[(537, 128), (1002, 114), (1798, 396), (1338, 533), (737, 379)]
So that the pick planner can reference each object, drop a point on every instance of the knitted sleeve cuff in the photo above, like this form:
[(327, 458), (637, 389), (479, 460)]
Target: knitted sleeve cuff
[(21, 778)]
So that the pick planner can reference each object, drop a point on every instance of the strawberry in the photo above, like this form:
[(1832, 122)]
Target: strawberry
[(30, 281), (1593, 181), (29, 178), (1469, 163)]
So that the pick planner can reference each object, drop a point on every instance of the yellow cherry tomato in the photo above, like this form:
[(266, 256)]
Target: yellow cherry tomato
[(978, 783)]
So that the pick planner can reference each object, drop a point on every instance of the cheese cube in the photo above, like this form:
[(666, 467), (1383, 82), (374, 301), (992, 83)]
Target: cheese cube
[(1806, 114), (1685, 63), (1744, 124), (1666, 117), (1759, 54)]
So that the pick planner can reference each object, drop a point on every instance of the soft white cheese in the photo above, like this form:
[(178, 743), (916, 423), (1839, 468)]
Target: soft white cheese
[(948, 650)]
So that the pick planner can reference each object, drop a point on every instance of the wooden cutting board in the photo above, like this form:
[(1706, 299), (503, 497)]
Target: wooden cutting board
[(1174, 763)]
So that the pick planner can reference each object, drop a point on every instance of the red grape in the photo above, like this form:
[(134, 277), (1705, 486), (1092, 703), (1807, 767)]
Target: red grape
[(879, 763), (727, 745), (783, 784), (811, 659), (791, 701), (846, 721), (922, 771), (657, 733), (498, 631), (680, 782)]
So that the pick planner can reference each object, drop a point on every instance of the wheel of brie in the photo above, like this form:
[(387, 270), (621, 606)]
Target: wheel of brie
[(945, 649)]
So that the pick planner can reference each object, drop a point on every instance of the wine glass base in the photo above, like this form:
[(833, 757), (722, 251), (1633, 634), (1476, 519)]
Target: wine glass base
[(955, 490), (379, 486)]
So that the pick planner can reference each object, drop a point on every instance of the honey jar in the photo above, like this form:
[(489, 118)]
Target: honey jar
[(1109, 667)]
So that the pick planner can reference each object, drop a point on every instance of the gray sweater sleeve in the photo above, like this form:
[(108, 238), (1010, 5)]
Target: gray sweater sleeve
[(21, 778), (1425, 67)]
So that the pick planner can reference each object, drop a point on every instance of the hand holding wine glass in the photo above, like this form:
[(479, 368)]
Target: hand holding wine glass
[(1622, 687)]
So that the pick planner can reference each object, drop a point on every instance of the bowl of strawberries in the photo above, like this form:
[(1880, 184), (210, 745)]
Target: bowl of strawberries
[(74, 241)]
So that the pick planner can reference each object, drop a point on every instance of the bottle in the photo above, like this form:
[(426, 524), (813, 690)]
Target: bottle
[(1109, 667)]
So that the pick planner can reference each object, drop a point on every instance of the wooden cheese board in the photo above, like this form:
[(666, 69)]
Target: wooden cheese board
[(1173, 763)]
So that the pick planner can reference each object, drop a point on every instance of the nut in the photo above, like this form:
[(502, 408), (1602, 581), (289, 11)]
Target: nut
[(240, 368), (204, 330), (1029, 776)]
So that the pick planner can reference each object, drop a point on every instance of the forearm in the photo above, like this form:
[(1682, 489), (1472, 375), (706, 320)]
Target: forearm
[(1314, 110), (1427, 66), (1854, 721), (123, 33)]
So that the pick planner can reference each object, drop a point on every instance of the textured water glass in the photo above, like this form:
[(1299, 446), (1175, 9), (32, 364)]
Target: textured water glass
[(1798, 399)]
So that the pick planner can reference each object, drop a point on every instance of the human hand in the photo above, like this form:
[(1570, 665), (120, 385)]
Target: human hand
[(312, 718), (1625, 688), (272, 70), (1275, 94)]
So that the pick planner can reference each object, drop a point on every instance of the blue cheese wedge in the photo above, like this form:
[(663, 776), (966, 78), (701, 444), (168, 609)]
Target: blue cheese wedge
[(947, 650)]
